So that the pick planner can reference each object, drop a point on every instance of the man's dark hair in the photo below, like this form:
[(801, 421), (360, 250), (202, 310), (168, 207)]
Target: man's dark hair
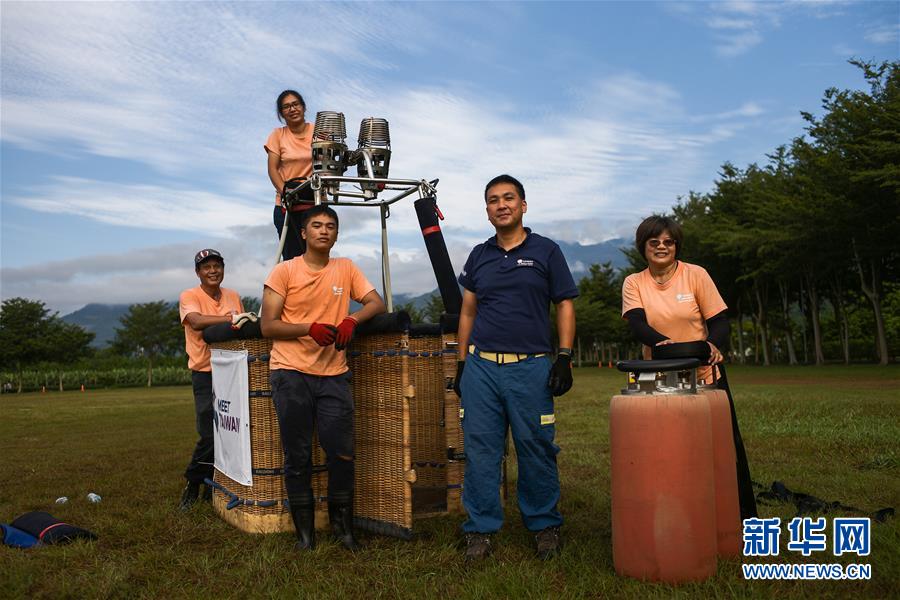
[(654, 225), (281, 98), (505, 179), (319, 209)]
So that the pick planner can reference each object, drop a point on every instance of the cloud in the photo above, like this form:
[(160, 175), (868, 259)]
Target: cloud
[(162, 272), (140, 205), (728, 23), (738, 26), (745, 110), (739, 43), (844, 50), (591, 161), (884, 34), (139, 84)]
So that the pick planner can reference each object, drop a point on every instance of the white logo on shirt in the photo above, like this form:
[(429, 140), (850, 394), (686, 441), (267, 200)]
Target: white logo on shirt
[(684, 297), (337, 291), (525, 262)]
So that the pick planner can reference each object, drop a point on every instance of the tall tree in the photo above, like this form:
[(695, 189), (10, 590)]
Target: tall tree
[(598, 306), (69, 343), (859, 140), (251, 303), (409, 308), (150, 330), (23, 334), (434, 308)]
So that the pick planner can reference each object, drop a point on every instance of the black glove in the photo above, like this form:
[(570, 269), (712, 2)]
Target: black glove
[(561, 375), (460, 365)]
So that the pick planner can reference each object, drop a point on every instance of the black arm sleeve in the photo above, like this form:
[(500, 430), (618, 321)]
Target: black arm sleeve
[(640, 329), (719, 328)]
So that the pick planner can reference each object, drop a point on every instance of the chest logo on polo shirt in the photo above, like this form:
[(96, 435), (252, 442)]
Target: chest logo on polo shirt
[(684, 297), (337, 291), (524, 262)]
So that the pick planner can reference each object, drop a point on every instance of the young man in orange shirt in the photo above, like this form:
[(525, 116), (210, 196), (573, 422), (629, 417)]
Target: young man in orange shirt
[(306, 311), (199, 307)]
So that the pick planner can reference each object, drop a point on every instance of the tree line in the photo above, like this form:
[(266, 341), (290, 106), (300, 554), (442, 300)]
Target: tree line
[(803, 248), (31, 338)]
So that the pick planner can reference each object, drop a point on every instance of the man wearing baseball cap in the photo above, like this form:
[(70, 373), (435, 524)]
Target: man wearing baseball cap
[(199, 307)]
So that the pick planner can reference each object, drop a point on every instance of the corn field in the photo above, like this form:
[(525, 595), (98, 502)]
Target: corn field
[(73, 379)]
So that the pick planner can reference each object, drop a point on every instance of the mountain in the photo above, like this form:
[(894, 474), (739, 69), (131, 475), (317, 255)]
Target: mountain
[(580, 258), (587, 255), (102, 319), (419, 302)]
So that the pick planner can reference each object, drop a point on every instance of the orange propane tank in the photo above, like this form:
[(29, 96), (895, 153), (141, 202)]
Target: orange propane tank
[(663, 486), (728, 509)]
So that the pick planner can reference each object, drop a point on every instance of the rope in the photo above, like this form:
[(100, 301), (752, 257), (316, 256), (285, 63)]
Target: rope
[(779, 493), (376, 353), (235, 500), (409, 353)]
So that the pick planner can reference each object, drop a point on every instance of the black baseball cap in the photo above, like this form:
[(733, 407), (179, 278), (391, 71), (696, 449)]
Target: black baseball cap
[(205, 255)]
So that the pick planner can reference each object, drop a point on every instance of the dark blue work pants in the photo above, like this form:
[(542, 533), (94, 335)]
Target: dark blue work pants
[(494, 397)]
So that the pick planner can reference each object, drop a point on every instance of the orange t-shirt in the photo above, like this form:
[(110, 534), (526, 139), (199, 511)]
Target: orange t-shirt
[(195, 300), (314, 297), (678, 308), (295, 152)]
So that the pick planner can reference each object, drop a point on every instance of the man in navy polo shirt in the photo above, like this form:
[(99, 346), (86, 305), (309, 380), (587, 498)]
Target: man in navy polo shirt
[(506, 375)]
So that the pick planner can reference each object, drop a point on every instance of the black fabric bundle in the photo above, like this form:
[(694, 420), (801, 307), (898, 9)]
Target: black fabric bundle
[(222, 332), (50, 530)]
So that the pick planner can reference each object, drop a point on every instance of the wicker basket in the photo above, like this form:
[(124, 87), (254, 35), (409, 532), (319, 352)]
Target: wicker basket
[(408, 439)]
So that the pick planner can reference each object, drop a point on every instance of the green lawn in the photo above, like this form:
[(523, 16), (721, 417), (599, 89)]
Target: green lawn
[(831, 432)]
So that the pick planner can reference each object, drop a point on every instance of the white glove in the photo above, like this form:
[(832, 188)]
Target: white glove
[(238, 320)]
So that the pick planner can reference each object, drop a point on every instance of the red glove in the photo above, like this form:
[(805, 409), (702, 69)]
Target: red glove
[(323, 334), (345, 333)]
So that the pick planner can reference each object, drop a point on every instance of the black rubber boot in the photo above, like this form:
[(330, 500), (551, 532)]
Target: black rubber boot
[(340, 515), (303, 512), (189, 496)]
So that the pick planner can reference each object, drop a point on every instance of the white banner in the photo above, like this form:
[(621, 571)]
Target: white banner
[(231, 414)]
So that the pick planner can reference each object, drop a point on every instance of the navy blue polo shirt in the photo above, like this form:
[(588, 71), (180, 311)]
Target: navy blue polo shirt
[(514, 289)]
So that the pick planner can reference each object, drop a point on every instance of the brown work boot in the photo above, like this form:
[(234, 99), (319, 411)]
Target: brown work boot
[(478, 546), (547, 543)]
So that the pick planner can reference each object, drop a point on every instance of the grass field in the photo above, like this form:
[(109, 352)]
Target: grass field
[(832, 432)]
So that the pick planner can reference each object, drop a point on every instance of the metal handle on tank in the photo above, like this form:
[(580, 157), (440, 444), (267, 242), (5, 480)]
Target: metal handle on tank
[(648, 369)]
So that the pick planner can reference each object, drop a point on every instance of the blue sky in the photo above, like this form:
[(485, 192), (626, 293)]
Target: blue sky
[(132, 133)]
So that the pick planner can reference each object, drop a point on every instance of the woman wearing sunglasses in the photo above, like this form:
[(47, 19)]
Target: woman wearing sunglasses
[(289, 151), (671, 300)]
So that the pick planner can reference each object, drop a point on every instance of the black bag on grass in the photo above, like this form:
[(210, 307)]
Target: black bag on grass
[(50, 530)]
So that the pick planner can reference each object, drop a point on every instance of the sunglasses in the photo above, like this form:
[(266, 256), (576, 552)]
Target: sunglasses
[(668, 243)]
